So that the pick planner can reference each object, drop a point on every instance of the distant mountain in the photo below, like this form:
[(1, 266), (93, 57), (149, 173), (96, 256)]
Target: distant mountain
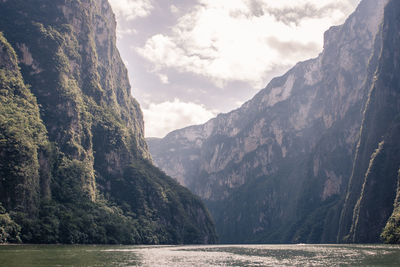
[(74, 165), (312, 157)]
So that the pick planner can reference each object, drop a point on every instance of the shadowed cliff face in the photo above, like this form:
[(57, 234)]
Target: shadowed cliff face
[(277, 168), (374, 179), (22, 135), (90, 175)]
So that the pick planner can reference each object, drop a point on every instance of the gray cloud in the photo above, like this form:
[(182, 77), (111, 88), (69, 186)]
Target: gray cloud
[(294, 15), (256, 8), (209, 47), (290, 49)]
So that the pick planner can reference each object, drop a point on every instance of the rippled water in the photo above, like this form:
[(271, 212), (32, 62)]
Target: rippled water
[(213, 255)]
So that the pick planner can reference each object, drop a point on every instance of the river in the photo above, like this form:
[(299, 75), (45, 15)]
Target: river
[(209, 255)]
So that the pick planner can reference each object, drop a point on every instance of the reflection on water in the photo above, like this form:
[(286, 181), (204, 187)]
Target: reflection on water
[(213, 255)]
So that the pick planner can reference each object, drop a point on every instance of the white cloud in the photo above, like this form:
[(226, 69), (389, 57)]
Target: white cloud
[(174, 9), (121, 31), (244, 40), (163, 78), (131, 9), (165, 117)]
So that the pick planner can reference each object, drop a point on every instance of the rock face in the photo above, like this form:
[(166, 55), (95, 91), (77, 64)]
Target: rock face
[(74, 164), (290, 165), (374, 180)]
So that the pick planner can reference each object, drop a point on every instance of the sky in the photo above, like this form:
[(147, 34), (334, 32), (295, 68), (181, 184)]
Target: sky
[(189, 60)]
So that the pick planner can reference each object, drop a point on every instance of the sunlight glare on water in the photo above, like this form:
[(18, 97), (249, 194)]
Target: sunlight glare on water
[(268, 255), (208, 255)]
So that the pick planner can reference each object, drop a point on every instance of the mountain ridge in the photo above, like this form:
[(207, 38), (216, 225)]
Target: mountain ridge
[(276, 169), (93, 179)]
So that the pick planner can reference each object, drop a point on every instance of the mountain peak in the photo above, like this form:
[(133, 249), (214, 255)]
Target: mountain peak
[(88, 178), (281, 162)]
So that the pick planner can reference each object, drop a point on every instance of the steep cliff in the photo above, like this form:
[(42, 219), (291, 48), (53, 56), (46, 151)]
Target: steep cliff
[(277, 168), (373, 184), (22, 137), (74, 163)]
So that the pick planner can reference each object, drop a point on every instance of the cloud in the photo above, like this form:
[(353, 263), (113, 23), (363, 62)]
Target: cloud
[(244, 40), (294, 15), (292, 49), (174, 9), (122, 31), (163, 78), (131, 9), (165, 117)]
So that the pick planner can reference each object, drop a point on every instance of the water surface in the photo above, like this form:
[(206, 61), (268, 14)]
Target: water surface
[(210, 255)]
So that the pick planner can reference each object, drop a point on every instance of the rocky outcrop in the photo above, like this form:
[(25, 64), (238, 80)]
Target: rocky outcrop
[(373, 183), (277, 168), (92, 179), (22, 136)]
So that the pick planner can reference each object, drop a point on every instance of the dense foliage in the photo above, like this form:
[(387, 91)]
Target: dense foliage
[(74, 166), (391, 232)]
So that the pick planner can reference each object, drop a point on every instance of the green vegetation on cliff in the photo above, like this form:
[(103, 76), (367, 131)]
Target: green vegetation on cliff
[(313, 157), (373, 184), (74, 165), (391, 232), (22, 138)]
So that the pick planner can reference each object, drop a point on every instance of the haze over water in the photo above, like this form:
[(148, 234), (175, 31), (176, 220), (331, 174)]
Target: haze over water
[(210, 255)]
